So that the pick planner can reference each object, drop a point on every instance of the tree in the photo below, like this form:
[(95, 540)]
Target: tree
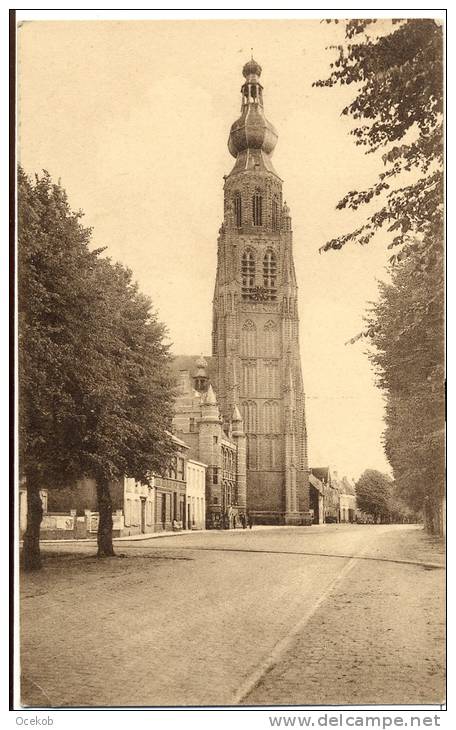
[(53, 303), (408, 354), (397, 72), (94, 385), (373, 493), (398, 76), (126, 386)]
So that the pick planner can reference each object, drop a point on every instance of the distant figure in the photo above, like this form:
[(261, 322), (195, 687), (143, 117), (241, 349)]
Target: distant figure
[(250, 519), (243, 521), (234, 521)]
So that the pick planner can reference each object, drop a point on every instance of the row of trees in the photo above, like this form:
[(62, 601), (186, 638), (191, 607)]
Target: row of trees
[(95, 392), (377, 495), (397, 73)]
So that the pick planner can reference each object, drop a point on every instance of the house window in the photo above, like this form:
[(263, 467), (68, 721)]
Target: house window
[(238, 210), (180, 469), (192, 425), (248, 273), (173, 468), (257, 210)]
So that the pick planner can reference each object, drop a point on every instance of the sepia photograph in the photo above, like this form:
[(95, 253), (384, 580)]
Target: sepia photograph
[(229, 261)]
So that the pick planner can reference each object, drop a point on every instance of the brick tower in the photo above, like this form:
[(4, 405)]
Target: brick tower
[(255, 339)]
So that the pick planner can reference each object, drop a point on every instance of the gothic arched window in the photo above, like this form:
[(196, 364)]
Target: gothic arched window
[(271, 378), (257, 209), (271, 417), (275, 213), (248, 339), (248, 273), (271, 339), (249, 414), (249, 378), (237, 210), (270, 273), (252, 452)]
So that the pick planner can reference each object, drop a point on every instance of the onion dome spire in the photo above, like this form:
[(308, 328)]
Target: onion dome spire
[(252, 131)]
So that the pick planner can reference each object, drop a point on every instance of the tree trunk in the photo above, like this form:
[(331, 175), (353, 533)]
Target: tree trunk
[(429, 516), (31, 549), (104, 536)]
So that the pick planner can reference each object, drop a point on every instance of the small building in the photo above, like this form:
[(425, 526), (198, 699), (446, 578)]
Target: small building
[(72, 512), (316, 500), (138, 507), (196, 495), (170, 492), (219, 443), (330, 493), (347, 501)]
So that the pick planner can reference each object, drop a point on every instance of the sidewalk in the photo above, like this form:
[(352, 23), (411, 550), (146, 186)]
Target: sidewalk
[(154, 535), (145, 536)]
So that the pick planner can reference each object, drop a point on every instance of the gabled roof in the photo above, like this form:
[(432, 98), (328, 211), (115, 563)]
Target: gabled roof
[(177, 441), (322, 473), (316, 483)]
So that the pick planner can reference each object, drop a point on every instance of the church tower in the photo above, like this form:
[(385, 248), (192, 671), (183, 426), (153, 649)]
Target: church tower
[(255, 337)]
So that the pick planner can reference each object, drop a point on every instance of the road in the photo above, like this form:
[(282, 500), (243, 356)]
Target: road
[(332, 614)]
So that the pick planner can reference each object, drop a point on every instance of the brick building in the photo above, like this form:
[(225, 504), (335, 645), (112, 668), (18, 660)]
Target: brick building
[(170, 491), (255, 340), (217, 442)]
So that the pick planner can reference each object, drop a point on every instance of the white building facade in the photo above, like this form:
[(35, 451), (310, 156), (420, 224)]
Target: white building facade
[(139, 507), (196, 495)]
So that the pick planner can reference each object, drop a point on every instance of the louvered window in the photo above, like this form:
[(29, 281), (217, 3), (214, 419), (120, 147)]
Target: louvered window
[(257, 210)]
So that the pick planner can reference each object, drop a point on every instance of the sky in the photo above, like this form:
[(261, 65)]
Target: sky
[(133, 117)]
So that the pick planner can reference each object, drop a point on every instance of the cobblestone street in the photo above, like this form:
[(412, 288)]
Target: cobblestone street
[(332, 614)]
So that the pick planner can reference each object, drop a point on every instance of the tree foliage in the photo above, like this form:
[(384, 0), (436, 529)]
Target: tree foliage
[(408, 325), (398, 86), (95, 395), (397, 74), (373, 494)]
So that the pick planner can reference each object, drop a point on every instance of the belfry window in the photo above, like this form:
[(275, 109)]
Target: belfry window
[(275, 214), (270, 274), (238, 210), (257, 210), (248, 273)]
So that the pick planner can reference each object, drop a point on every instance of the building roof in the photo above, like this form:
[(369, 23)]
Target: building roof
[(251, 67), (316, 483), (198, 463), (190, 363), (322, 473), (178, 441)]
